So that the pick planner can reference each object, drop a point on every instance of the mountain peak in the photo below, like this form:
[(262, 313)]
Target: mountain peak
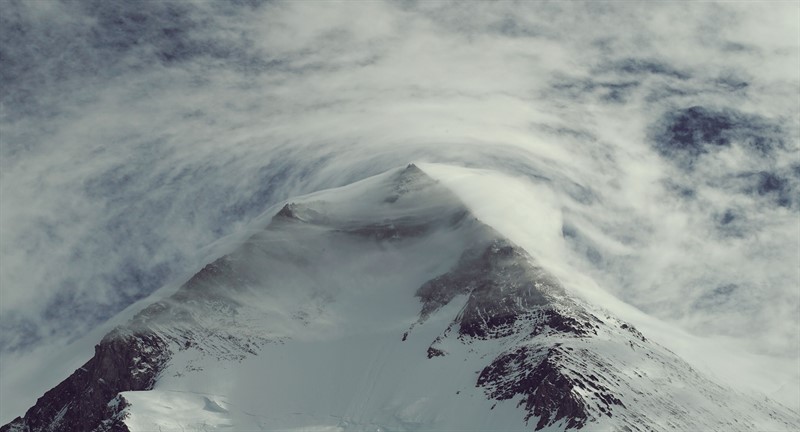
[(384, 304)]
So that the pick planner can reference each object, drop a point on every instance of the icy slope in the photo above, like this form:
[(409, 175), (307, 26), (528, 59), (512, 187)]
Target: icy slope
[(385, 305)]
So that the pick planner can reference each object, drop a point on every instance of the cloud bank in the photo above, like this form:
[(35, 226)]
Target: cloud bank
[(134, 134)]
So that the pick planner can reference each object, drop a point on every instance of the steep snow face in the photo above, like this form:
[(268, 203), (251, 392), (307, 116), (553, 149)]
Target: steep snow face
[(385, 305), (325, 266)]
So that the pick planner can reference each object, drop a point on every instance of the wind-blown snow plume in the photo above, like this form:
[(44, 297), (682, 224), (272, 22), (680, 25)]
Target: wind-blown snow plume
[(661, 141)]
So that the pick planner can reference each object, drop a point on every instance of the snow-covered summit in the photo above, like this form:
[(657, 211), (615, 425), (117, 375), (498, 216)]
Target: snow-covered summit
[(385, 305)]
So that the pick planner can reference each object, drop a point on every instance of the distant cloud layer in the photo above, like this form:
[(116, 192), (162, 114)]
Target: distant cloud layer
[(134, 134)]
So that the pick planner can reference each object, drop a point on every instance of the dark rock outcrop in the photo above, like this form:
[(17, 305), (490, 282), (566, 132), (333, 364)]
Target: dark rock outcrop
[(511, 298), (88, 400)]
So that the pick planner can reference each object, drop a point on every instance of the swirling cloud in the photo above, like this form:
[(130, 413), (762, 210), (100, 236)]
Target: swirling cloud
[(134, 134)]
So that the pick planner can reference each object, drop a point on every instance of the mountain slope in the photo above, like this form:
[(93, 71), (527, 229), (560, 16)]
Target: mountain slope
[(385, 305)]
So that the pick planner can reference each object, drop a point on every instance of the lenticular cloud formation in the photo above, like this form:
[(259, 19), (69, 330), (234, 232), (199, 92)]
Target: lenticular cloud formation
[(645, 155)]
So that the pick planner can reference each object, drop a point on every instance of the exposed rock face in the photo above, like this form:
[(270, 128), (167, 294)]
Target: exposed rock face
[(88, 400), (546, 392), (567, 366), (131, 357), (509, 297)]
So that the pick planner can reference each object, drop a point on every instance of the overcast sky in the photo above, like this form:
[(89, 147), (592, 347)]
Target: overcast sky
[(665, 136)]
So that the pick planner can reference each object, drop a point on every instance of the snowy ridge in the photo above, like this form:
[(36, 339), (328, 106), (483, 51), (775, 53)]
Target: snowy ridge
[(385, 305)]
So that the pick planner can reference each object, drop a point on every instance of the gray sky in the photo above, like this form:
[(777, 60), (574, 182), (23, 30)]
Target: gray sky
[(665, 136)]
